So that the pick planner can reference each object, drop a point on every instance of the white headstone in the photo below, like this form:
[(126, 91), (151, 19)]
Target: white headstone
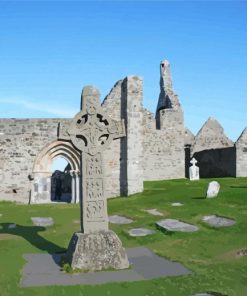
[(213, 189), (194, 170)]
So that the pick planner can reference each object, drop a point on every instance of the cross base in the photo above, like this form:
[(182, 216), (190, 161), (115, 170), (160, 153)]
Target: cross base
[(96, 251)]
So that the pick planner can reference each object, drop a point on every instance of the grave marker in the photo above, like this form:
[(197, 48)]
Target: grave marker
[(194, 170), (91, 132)]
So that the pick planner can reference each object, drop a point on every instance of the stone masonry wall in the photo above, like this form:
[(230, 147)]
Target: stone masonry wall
[(241, 155), (215, 153), (21, 140), (163, 140), (163, 148)]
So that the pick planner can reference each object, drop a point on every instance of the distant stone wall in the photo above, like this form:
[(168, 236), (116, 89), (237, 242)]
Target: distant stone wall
[(163, 148), (123, 159), (215, 153), (156, 147), (163, 140), (21, 140), (241, 155)]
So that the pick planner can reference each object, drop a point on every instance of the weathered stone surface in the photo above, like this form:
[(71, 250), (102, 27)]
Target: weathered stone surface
[(96, 251), (140, 232), (91, 132), (176, 225), (211, 136), (163, 139), (177, 204), (214, 151), (42, 221), (152, 150), (154, 212), (218, 221), (194, 170), (189, 137), (241, 155), (115, 219), (213, 189), (43, 270)]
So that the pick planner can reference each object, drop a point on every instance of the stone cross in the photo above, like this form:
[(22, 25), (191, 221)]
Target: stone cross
[(193, 161), (194, 170), (91, 132)]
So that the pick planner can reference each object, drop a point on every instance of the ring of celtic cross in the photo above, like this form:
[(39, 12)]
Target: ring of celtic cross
[(92, 132)]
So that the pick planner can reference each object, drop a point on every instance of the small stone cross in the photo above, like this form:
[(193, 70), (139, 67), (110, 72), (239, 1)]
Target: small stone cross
[(91, 132), (194, 170), (193, 161)]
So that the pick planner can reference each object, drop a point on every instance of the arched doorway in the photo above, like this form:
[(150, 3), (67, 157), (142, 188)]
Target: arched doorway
[(43, 171), (61, 180)]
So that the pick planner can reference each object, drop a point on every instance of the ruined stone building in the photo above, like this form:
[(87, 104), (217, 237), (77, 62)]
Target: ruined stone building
[(156, 147)]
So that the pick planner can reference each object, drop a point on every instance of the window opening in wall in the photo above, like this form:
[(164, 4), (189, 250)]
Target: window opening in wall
[(61, 181)]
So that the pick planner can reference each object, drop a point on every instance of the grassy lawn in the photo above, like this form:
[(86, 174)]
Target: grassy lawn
[(210, 253)]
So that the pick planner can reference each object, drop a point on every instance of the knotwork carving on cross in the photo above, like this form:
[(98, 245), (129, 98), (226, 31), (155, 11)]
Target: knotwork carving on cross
[(91, 130)]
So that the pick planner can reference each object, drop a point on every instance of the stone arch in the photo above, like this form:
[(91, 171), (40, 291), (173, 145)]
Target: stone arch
[(42, 170)]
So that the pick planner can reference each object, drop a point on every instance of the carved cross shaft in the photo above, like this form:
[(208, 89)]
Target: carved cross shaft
[(91, 132)]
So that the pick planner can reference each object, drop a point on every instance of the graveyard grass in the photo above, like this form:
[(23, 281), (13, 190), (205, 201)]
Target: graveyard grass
[(209, 253)]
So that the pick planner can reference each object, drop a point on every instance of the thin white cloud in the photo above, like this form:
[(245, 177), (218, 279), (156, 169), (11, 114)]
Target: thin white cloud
[(59, 110)]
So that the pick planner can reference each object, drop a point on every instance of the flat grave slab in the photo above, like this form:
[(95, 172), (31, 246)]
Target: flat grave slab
[(177, 204), (140, 232), (44, 270), (116, 219), (218, 221), (154, 212), (176, 225), (42, 221)]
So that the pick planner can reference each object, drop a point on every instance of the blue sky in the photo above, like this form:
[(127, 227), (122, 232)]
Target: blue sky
[(49, 50)]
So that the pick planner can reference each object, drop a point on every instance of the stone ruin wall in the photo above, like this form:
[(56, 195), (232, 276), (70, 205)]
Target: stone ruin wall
[(152, 150), (214, 151), (163, 143), (21, 140), (163, 148), (241, 155)]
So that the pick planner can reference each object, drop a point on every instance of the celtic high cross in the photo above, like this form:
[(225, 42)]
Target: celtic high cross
[(91, 132)]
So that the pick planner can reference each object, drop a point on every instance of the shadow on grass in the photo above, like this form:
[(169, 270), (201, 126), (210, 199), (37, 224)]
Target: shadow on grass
[(199, 197), (31, 234)]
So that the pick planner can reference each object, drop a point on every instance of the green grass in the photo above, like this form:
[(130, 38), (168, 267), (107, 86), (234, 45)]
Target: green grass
[(209, 253)]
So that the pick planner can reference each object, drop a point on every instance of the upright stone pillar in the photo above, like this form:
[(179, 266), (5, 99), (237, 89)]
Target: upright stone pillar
[(91, 132), (77, 186), (73, 186), (132, 145)]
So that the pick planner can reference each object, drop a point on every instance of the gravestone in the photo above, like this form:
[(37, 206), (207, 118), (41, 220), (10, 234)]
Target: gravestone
[(91, 132), (154, 212), (177, 204), (176, 225), (42, 221), (218, 221), (140, 232), (116, 219), (213, 189), (194, 170)]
